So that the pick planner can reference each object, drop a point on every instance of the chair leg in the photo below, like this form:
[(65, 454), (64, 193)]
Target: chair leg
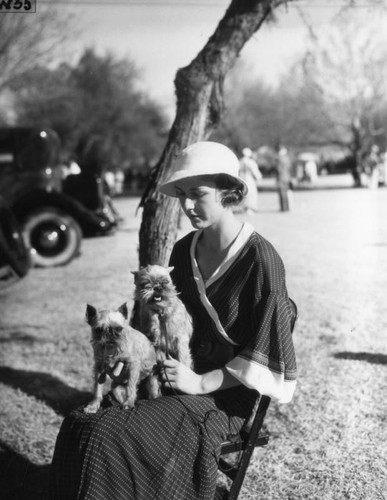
[(250, 442)]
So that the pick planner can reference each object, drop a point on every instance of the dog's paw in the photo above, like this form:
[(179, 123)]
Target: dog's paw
[(128, 403), (156, 393), (153, 386), (92, 407)]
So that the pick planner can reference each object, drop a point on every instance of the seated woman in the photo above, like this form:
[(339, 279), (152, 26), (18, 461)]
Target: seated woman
[(233, 282)]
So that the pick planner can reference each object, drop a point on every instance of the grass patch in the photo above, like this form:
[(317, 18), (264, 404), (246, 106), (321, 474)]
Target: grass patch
[(329, 443)]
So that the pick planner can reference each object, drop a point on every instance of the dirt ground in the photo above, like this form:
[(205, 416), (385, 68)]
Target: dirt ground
[(329, 443)]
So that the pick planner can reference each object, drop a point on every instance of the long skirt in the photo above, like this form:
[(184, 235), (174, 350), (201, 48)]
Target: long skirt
[(164, 449)]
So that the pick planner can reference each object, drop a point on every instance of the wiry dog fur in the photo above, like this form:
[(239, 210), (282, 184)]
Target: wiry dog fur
[(116, 345), (158, 302)]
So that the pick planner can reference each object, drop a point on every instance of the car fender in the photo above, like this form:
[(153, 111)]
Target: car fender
[(90, 222)]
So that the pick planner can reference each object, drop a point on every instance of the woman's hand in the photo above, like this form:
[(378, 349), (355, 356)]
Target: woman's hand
[(175, 374), (180, 377)]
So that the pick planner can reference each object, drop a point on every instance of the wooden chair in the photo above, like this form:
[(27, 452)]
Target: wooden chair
[(245, 442)]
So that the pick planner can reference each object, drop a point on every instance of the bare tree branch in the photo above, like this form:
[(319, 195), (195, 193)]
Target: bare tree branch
[(28, 40)]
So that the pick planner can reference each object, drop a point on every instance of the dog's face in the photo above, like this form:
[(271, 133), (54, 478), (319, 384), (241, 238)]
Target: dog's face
[(154, 287), (107, 325)]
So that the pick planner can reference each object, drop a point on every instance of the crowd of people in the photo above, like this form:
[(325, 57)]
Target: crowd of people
[(295, 170)]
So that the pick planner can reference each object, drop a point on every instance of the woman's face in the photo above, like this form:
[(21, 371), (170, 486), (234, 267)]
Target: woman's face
[(201, 201)]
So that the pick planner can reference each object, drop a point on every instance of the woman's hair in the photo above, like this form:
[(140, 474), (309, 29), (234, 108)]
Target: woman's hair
[(231, 190)]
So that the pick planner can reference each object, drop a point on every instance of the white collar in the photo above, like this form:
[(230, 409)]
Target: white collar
[(232, 254)]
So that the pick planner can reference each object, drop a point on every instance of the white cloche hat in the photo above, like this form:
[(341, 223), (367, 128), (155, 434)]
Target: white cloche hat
[(203, 158)]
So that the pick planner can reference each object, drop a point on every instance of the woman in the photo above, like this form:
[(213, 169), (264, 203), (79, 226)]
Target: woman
[(233, 282)]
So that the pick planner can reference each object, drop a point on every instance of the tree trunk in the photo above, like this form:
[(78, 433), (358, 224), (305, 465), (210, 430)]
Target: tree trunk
[(199, 92)]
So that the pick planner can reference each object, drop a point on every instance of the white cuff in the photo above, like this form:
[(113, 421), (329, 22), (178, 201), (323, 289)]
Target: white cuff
[(262, 379)]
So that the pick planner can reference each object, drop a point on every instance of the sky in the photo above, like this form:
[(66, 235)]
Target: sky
[(161, 36)]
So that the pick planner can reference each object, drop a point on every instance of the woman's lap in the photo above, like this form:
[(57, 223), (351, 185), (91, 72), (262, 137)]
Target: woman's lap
[(163, 448)]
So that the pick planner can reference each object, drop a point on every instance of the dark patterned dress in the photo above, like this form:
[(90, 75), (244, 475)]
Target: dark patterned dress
[(167, 448)]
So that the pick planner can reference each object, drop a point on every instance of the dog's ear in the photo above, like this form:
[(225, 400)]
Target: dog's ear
[(135, 274), (91, 314), (123, 309), (170, 269)]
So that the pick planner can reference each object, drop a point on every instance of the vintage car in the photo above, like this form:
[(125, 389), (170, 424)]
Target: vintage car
[(54, 208)]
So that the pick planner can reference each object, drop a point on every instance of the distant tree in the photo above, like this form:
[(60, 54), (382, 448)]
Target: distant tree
[(345, 65), (335, 95), (46, 97), (28, 40), (97, 110), (251, 115), (126, 122), (258, 115)]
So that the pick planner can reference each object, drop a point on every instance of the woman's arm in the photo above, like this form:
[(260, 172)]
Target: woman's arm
[(182, 378)]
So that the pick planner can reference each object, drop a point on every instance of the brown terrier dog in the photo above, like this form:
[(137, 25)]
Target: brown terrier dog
[(163, 316), (121, 353)]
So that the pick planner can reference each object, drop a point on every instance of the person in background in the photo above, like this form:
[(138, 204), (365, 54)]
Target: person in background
[(119, 182), (110, 182), (250, 173), (284, 180), (372, 163), (383, 170)]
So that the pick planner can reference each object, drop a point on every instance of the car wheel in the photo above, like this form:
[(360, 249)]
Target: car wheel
[(54, 237), (12, 248)]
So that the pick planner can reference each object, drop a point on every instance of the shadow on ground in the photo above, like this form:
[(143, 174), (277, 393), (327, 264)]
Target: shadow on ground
[(43, 386), (20, 479), (369, 357)]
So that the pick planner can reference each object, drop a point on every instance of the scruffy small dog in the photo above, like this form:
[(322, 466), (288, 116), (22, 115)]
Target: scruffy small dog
[(163, 316), (121, 353)]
